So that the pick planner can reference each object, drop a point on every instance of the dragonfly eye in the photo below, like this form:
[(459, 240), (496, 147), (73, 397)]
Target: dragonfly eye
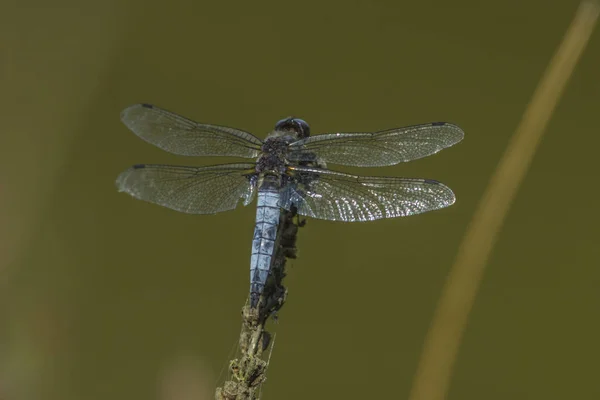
[(296, 125)]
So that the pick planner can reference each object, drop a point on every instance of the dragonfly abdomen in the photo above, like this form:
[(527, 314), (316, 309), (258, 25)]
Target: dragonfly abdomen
[(264, 240)]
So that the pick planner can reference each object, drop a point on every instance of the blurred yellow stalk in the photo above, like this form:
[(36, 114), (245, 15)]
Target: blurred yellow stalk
[(443, 339)]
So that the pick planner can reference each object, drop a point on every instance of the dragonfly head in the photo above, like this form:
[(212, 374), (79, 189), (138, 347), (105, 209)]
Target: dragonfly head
[(295, 125)]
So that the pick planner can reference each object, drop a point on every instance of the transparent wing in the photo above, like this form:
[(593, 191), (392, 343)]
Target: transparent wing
[(380, 148), (335, 196), (179, 135), (203, 190)]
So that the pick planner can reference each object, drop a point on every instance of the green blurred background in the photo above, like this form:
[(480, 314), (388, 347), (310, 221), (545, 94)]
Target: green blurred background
[(105, 297)]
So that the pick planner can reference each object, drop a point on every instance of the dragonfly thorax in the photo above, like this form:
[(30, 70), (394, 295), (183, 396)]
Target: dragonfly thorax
[(271, 163), (273, 156), (277, 145)]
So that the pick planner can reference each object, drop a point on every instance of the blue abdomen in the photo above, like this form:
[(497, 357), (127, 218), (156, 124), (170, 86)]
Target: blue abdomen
[(264, 241)]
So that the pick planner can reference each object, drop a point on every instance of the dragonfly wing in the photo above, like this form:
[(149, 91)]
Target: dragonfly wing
[(179, 135), (335, 196), (377, 149), (202, 190)]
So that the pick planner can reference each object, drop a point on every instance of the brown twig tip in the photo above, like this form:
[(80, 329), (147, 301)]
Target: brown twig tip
[(248, 372)]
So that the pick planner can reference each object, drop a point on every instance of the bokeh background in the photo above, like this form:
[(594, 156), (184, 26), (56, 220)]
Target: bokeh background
[(105, 297)]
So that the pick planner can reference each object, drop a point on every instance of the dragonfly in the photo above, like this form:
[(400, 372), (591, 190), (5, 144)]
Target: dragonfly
[(288, 171)]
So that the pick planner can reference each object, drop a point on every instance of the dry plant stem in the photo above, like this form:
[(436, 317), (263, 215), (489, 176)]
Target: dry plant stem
[(249, 371), (443, 339)]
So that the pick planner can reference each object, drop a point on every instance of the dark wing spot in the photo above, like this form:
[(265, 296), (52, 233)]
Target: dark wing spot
[(139, 166), (438, 123), (145, 105)]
